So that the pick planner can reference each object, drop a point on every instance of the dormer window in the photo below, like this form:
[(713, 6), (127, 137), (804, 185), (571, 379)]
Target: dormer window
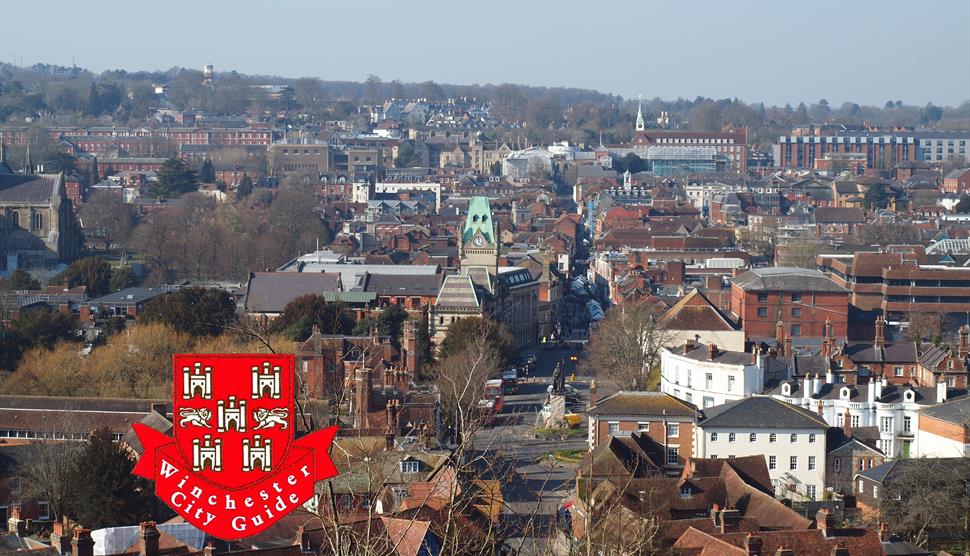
[(844, 393), (786, 389), (410, 466), (909, 396), (685, 491)]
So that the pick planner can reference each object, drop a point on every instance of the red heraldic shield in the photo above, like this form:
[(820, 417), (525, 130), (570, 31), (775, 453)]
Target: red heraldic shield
[(233, 467)]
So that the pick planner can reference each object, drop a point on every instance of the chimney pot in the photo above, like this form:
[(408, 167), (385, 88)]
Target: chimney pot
[(825, 522), (149, 538), (82, 544), (711, 351), (752, 545)]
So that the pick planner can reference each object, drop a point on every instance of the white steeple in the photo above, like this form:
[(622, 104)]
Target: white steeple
[(640, 123)]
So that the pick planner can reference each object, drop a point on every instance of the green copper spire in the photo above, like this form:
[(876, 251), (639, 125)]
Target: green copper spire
[(479, 219)]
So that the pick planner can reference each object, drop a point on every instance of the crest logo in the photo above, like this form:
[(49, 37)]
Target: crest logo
[(234, 466)]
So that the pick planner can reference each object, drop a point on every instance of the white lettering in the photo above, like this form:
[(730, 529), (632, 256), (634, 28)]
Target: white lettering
[(248, 502), (174, 496), (209, 517), (280, 504), (196, 492), (294, 499), (230, 503), (305, 472), (168, 469), (213, 500), (239, 523), (291, 480)]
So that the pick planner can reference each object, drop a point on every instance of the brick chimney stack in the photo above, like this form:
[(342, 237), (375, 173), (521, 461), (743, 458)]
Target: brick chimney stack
[(148, 539), (61, 536), (711, 351), (730, 520), (688, 345), (880, 332), (780, 338), (788, 349), (846, 420), (784, 551), (362, 392), (82, 544)]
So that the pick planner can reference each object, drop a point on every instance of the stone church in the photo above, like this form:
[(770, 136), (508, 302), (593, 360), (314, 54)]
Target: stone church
[(38, 228), (509, 295)]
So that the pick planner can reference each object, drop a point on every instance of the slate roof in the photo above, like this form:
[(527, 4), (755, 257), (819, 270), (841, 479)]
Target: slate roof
[(696, 312), (19, 188), (642, 403), (866, 352), (783, 278), (128, 296), (761, 412), (422, 284), (956, 411), (839, 215), (269, 292)]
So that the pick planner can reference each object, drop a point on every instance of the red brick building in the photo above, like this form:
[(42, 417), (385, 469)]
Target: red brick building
[(800, 299), (883, 151)]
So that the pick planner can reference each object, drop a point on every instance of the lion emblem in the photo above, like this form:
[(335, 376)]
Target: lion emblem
[(269, 418), (198, 417)]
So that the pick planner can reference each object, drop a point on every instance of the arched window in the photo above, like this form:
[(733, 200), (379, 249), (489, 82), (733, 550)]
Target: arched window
[(36, 221), (15, 218)]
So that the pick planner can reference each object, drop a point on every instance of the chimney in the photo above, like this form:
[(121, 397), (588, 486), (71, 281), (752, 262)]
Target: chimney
[(940, 391), (761, 359), (688, 345), (806, 387), (818, 407), (82, 544), (788, 349), (752, 545), (784, 551), (61, 536), (883, 530), (825, 522), (829, 376), (711, 351), (15, 524), (148, 539), (315, 330), (410, 347), (877, 388), (817, 385), (846, 420), (964, 348), (826, 348), (592, 393), (829, 330), (730, 520), (780, 338), (880, 332)]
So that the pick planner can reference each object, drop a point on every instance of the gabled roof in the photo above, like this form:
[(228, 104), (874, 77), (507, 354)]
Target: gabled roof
[(19, 188), (839, 215), (783, 278), (269, 292), (761, 412), (458, 291), (696, 312)]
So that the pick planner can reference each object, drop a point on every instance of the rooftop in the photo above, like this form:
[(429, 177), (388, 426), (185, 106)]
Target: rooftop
[(785, 278)]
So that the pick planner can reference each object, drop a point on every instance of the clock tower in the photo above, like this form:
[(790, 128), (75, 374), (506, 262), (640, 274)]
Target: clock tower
[(478, 243)]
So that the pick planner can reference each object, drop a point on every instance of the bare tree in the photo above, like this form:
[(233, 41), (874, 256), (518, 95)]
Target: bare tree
[(626, 345), (106, 215), (927, 498), (45, 467)]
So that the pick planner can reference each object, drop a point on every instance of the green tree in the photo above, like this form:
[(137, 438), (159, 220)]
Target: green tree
[(175, 178), (91, 272), (963, 207), (473, 329), (61, 162), (303, 312), (245, 187), (43, 327), (876, 197), (106, 494), (121, 278), (20, 279), (389, 322), (94, 101), (208, 172), (195, 311), (630, 162)]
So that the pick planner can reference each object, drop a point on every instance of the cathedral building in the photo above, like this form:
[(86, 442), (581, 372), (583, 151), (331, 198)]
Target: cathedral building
[(37, 223), (508, 295)]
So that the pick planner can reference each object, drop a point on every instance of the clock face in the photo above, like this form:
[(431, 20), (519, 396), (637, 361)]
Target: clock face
[(479, 241)]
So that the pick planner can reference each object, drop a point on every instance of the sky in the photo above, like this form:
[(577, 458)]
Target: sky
[(865, 51)]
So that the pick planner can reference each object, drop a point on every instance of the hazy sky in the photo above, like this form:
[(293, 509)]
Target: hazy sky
[(773, 51)]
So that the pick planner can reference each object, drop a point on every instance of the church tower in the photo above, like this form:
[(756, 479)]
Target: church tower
[(478, 244), (641, 124)]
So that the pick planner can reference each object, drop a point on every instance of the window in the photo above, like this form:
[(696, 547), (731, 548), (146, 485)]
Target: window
[(853, 421), (708, 378), (811, 463), (875, 491), (886, 424), (772, 462), (811, 439), (673, 455), (796, 312), (44, 510), (685, 491), (810, 492), (708, 402), (713, 437), (673, 429), (861, 486), (410, 466), (345, 501), (730, 383), (793, 463), (840, 420), (732, 437), (796, 330), (898, 371), (796, 296), (752, 437), (762, 312), (643, 427), (793, 438), (612, 427), (907, 424), (772, 437), (837, 464)]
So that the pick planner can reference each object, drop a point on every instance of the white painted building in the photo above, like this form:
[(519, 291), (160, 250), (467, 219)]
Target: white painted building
[(893, 409), (791, 439), (706, 375), (944, 430)]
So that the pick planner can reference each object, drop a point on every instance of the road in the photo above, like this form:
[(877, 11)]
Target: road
[(534, 485)]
